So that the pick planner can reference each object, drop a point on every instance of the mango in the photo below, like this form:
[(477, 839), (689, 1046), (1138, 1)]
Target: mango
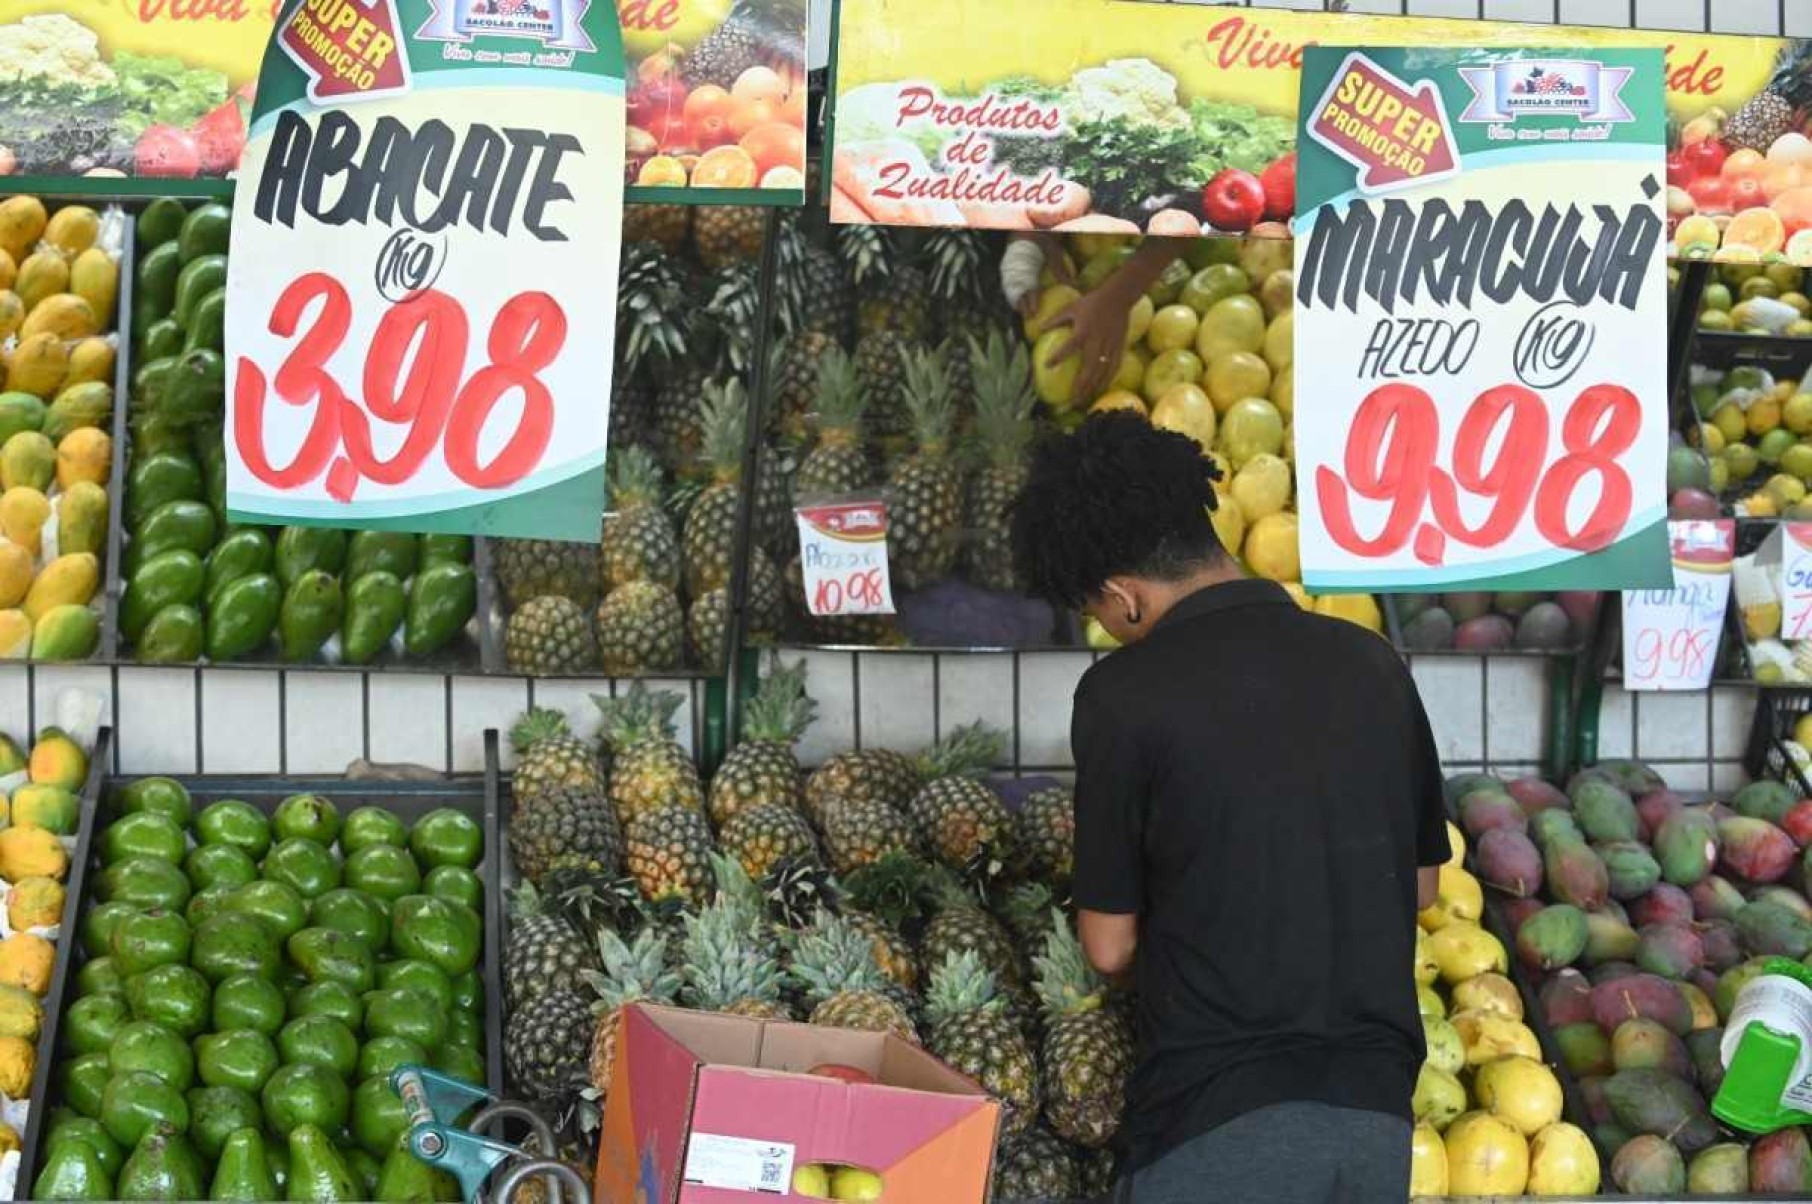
[(1769, 928), (1731, 982), (1427, 1163), (1608, 939), (1669, 950), (1632, 777), (1464, 950), (85, 404), (1508, 862), (66, 633), (1644, 1045), (31, 853), (1653, 810), (1659, 1103), (56, 760), (1446, 1052), (1603, 811), (1483, 810), (28, 458), (1754, 849), (1550, 826), (82, 517), (15, 635), (1489, 992), (1704, 1014), (1665, 903), (1687, 846), (1719, 1170), (1632, 871), (1784, 896), (1722, 943), (38, 365), (1576, 875), (72, 229), (1534, 795), (21, 1013), (95, 278), (1460, 785), (1714, 898), (1641, 996), (1553, 937), (92, 359), (42, 275), (9, 271), (69, 580), (1705, 1047), (1781, 1164), (1584, 1049), (65, 315), (1764, 799), (1649, 1166), (1566, 998), (1488, 1037), (1486, 1156), (53, 808)]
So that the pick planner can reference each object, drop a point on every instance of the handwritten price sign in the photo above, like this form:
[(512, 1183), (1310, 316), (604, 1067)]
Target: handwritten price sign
[(1671, 636), (843, 552), (1791, 546), (422, 279), (1488, 405)]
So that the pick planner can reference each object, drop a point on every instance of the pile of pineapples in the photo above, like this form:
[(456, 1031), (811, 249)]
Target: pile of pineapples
[(879, 892)]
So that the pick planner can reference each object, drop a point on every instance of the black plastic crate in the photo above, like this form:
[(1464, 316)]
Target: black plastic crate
[(477, 795), (1777, 710)]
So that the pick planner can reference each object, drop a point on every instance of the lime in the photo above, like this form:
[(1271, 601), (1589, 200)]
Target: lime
[(1233, 324)]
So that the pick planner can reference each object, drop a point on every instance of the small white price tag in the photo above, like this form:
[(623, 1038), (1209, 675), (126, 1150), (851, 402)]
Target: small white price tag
[(1671, 636), (1796, 580), (843, 554), (739, 1164)]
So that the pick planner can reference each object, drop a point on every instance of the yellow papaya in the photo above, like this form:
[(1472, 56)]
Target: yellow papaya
[(89, 403), (81, 515), (72, 229), (23, 512), (95, 278), (12, 312), (18, 1058), (16, 571), (38, 365), (69, 580), (15, 643), (22, 222), (9, 270), (65, 315), (42, 275), (28, 458), (66, 633), (53, 808), (84, 455), (9, 1138), (21, 1015), (30, 853), (90, 359), (32, 903)]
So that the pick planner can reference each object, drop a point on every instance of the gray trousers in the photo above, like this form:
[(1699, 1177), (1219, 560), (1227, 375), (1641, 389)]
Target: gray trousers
[(1294, 1153)]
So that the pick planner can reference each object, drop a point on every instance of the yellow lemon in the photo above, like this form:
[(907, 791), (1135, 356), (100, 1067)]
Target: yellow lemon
[(1763, 416), (1229, 525), (1729, 419)]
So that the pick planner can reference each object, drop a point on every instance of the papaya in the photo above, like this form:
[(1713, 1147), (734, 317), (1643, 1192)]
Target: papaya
[(9, 271), (84, 455), (26, 957), (66, 633), (57, 760), (72, 229), (53, 808), (38, 365), (30, 459), (66, 581), (16, 572), (22, 222), (19, 412), (42, 275), (21, 1012), (12, 311), (85, 404), (23, 512), (15, 635), (65, 315), (82, 518), (33, 903), (95, 278), (91, 359)]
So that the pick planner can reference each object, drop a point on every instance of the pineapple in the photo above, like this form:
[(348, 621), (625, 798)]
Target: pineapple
[(1044, 835), (567, 828), (880, 375), (965, 824), (731, 310), (797, 383), (708, 619), (972, 1031), (535, 568), (678, 436), (1036, 1165), (861, 831), (837, 465), (727, 234), (772, 524), (1003, 421), (826, 302), (655, 312), (651, 768), (638, 542), (758, 33), (549, 755), (762, 768), (708, 544), (892, 953), (726, 970), (550, 635), (925, 491), (633, 973), (833, 964), (1098, 1171), (544, 952), (545, 1041), (666, 225), (962, 926), (641, 629), (631, 410), (880, 774), (668, 853), (1088, 1048), (761, 836), (1771, 112)]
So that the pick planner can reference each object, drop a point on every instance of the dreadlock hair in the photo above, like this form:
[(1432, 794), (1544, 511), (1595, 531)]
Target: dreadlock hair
[(1119, 497)]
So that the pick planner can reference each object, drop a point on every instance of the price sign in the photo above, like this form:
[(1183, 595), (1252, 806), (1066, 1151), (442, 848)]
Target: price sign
[(1791, 547), (422, 278), (1481, 288), (1671, 636), (843, 552)]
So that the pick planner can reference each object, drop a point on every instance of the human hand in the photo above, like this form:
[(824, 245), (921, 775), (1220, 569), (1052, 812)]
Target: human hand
[(1097, 324)]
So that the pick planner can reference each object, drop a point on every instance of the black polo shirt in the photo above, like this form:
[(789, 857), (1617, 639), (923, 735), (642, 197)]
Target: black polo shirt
[(1258, 785)]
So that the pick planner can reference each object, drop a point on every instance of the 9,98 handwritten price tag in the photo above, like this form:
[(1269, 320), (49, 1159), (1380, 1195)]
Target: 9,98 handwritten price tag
[(1670, 636), (843, 552)]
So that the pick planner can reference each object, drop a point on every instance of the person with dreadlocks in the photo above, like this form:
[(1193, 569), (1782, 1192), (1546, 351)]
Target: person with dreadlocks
[(1259, 817)]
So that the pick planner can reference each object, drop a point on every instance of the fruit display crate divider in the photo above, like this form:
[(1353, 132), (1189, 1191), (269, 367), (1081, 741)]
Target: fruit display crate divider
[(122, 396), (68, 937), (479, 796), (1682, 329)]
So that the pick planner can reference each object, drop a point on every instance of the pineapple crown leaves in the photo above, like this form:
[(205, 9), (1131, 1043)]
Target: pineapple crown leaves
[(635, 478), (796, 889), (781, 710), (525, 903), (591, 901), (1004, 398), (1067, 984), (642, 716), (654, 317), (868, 253), (535, 725), (633, 971), (1026, 906), (832, 957), (738, 898), (968, 751), (891, 888), (723, 963), (1792, 79), (840, 397), (960, 986), (731, 310), (929, 398), (954, 264), (725, 421)]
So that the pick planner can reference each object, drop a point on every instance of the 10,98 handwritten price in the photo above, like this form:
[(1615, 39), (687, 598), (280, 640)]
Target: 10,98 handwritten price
[(413, 377), (843, 558), (1396, 438)]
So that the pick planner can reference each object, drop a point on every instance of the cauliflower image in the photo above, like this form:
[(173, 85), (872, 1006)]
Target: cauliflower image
[(1135, 89)]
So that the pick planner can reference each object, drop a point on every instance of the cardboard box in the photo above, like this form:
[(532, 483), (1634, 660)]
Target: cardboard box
[(714, 1109)]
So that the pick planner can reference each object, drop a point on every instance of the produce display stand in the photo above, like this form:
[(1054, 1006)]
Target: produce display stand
[(482, 797)]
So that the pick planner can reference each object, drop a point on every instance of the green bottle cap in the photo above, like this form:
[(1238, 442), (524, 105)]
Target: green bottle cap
[(1767, 1052)]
